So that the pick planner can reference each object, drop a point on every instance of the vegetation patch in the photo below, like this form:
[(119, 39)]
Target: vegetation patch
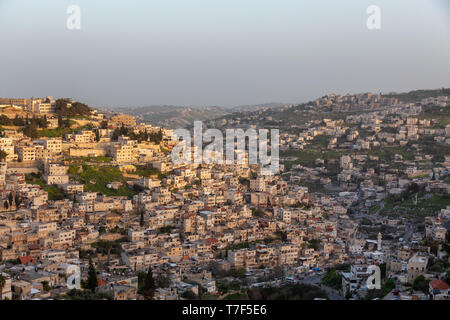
[(96, 179)]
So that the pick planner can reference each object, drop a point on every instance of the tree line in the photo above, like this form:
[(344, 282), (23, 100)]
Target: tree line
[(155, 137), (65, 108)]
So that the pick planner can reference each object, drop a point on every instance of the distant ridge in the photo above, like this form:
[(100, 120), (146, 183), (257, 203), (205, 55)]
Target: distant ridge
[(183, 116), (415, 95)]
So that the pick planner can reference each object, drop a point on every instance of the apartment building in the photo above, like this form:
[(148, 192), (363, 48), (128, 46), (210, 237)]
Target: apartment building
[(417, 265), (53, 145), (122, 119), (123, 153), (288, 254), (56, 173), (243, 258), (26, 153), (6, 145), (41, 153), (139, 259)]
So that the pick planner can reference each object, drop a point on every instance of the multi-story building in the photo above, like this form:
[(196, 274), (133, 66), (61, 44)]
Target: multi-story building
[(123, 153), (55, 173), (6, 145), (53, 145), (417, 266), (122, 119), (26, 153)]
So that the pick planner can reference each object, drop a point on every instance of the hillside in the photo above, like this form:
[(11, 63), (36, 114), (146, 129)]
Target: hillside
[(181, 116), (416, 95)]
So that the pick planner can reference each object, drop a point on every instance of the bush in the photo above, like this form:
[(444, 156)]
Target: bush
[(189, 295), (420, 284), (332, 279)]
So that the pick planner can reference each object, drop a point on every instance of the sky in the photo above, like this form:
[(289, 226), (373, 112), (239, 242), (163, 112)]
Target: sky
[(220, 52)]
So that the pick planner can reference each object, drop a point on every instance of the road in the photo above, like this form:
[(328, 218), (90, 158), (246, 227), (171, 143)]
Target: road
[(382, 204), (390, 296)]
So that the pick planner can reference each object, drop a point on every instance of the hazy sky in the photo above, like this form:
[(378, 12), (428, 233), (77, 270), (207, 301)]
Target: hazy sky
[(220, 52)]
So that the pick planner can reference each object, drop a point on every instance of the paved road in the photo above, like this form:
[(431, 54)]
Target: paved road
[(312, 280), (389, 296), (382, 204)]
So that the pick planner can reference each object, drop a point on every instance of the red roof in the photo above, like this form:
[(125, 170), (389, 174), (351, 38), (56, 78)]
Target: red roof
[(101, 282), (439, 284), (26, 259)]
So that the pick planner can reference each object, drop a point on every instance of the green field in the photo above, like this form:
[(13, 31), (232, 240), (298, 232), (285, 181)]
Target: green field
[(81, 160), (95, 179), (424, 207), (309, 156), (147, 171), (374, 209), (60, 132), (388, 153), (54, 193)]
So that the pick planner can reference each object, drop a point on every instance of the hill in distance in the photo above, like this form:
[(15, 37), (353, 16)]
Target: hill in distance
[(181, 116)]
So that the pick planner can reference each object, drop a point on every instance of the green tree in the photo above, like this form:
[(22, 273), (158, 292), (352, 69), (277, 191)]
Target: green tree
[(45, 122), (65, 108), (4, 120), (18, 200), (46, 286), (420, 283), (102, 230), (18, 121), (332, 279), (141, 221), (10, 198), (60, 121), (109, 246), (314, 243), (148, 289), (31, 130), (3, 155), (163, 281), (189, 295), (92, 282)]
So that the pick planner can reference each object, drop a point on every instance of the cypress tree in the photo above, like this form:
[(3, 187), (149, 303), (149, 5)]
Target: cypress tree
[(92, 282), (149, 285)]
